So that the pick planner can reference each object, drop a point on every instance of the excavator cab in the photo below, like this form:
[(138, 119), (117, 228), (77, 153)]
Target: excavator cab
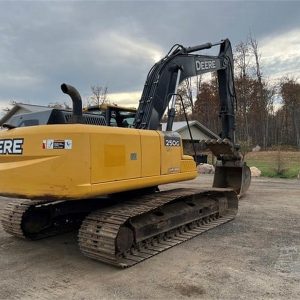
[(115, 115)]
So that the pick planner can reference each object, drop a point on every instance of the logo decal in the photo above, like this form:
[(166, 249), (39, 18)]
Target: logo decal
[(11, 146), (205, 65), (57, 144)]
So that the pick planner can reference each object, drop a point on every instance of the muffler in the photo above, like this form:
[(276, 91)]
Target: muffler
[(76, 99)]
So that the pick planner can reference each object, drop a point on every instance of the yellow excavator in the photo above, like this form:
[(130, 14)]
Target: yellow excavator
[(83, 170)]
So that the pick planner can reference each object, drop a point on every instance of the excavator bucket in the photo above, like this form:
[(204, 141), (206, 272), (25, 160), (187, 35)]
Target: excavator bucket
[(236, 177), (231, 171)]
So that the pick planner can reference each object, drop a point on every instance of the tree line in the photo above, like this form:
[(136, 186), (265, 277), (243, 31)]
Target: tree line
[(267, 113)]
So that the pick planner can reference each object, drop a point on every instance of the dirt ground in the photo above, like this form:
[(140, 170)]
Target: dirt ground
[(255, 256)]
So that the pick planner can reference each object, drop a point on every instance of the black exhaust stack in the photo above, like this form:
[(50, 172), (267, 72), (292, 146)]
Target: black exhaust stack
[(77, 102)]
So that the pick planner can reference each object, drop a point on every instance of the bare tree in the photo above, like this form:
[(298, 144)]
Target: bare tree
[(242, 59), (290, 92), (187, 91), (99, 95), (243, 89), (257, 57), (264, 96), (207, 105)]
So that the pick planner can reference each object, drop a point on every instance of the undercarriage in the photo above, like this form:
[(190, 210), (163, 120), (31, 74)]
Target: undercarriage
[(129, 231)]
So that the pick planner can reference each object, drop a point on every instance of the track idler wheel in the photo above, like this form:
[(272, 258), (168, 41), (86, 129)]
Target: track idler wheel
[(124, 240)]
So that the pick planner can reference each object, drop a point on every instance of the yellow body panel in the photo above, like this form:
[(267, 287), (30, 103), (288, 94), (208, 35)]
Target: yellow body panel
[(151, 153), (98, 160), (170, 158), (111, 153)]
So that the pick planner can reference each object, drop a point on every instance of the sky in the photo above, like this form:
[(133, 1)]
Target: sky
[(115, 43)]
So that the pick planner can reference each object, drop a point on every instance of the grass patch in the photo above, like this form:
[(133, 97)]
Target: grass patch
[(267, 162)]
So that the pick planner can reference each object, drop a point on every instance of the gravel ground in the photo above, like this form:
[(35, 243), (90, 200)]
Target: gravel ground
[(255, 256)]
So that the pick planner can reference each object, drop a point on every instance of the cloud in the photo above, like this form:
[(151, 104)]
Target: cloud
[(125, 47), (130, 99), (114, 44), (13, 80), (280, 54)]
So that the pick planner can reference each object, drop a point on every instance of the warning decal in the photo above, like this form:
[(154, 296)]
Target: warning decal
[(57, 144)]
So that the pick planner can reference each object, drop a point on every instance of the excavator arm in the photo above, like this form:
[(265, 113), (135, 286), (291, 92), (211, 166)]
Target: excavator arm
[(161, 88)]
